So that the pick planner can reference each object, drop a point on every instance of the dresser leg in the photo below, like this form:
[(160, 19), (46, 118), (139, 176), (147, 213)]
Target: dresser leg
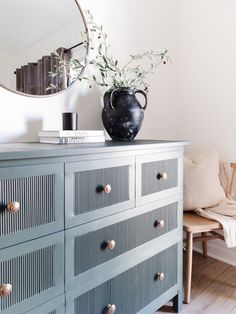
[(178, 303), (188, 267)]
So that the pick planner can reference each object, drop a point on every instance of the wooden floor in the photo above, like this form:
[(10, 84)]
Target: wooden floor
[(213, 288)]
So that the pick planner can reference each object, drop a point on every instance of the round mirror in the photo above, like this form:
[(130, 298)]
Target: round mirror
[(39, 41)]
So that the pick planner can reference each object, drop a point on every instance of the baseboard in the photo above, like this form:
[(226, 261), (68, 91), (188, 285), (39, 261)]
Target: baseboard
[(218, 250)]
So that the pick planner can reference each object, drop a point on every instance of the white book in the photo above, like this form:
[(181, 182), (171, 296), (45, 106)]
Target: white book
[(72, 140), (68, 133)]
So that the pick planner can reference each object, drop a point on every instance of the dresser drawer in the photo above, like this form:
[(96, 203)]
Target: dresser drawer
[(56, 306), (34, 270), (99, 188), (93, 248), (131, 291), (158, 176), (31, 202)]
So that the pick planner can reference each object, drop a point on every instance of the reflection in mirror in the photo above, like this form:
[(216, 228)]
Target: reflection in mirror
[(35, 38)]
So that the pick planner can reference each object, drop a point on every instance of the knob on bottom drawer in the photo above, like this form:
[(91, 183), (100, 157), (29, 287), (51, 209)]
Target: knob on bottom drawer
[(5, 290)]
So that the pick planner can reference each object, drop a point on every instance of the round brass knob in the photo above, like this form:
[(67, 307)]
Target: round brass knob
[(110, 245), (160, 276), (163, 176), (111, 308), (13, 207), (107, 189), (5, 290), (159, 223)]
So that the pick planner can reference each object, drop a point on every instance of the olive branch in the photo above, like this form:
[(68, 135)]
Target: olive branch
[(106, 70)]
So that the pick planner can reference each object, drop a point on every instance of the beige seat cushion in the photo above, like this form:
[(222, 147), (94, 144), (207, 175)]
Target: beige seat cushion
[(202, 186)]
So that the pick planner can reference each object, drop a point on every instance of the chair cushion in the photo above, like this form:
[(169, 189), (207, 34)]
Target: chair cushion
[(202, 186)]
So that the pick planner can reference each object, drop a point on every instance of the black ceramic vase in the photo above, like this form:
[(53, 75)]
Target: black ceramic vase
[(122, 114)]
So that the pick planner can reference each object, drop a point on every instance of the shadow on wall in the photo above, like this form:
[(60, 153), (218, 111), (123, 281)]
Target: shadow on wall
[(89, 106), (32, 129)]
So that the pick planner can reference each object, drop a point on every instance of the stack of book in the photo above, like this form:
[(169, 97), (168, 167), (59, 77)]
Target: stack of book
[(72, 137)]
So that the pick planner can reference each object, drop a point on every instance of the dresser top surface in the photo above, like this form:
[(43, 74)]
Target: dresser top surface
[(37, 150)]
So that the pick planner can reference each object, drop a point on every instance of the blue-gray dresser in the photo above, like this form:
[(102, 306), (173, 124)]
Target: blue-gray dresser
[(91, 228)]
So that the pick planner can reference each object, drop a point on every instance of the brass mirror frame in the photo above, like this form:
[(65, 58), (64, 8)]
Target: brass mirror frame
[(64, 90)]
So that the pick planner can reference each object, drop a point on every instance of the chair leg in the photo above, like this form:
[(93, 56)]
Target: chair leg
[(204, 245), (188, 267)]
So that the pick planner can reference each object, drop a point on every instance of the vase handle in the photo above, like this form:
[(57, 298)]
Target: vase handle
[(111, 97), (145, 96)]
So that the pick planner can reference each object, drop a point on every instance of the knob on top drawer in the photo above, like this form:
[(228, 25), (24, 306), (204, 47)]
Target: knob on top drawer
[(159, 223), (13, 207), (159, 276), (107, 189), (5, 290), (95, 189), (158, 176), (163, 176)]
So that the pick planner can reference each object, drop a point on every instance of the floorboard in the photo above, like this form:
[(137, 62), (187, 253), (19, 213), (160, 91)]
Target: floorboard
[(213, 288)]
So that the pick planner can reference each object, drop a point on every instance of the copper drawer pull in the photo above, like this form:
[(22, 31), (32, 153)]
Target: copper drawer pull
[(111, 308), (110, 245), (5, 290), (159, 276), (13, 207), (107, 189), (163, 176), (159, 223)]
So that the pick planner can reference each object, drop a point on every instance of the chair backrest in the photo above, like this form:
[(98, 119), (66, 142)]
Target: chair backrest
[(231, 189), (227, 175)]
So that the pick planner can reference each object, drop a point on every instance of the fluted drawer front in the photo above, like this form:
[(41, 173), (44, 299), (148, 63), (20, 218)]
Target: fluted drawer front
[(158, 175), (31, 202), (94, 248), (94, 301), (132, 290), (95, 189), (151, 183), (34, 270), (56, 306)]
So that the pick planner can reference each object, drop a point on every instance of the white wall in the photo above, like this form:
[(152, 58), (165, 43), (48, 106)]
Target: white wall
[(207, 82), (133, 26), (207, 74)]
